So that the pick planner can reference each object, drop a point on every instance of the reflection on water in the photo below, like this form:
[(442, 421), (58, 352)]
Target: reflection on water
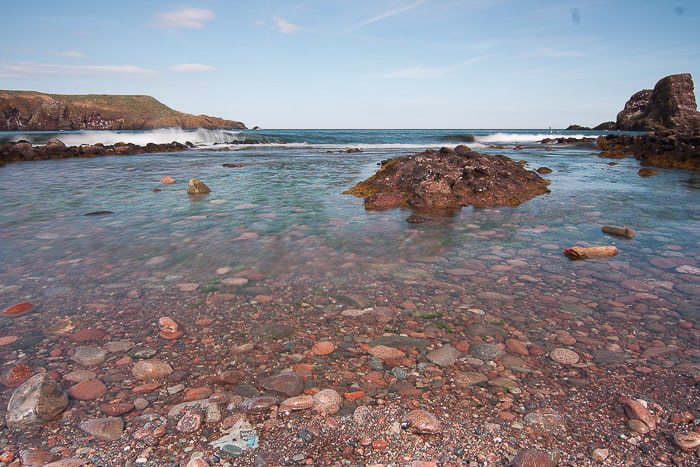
[(282, 213)]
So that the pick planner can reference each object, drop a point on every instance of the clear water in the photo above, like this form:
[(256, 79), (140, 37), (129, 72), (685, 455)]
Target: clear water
[(283, 214)]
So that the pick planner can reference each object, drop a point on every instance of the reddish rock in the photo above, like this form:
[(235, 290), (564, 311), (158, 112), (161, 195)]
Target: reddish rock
[(189, 423), (145, 388), (114, 409), (7, 340), (35, 457), (384, 352), (18, 309), (151, 369), (168, 328), (88, 390), (167, 179), (327, 401), (516, 347), (635, 410), (447, 180), (258, 405), (228, 377), (287, 384), (421, 421), (15, 375), (86, 335), (532, 458), (194, 394), (297, 403), (323, 348)]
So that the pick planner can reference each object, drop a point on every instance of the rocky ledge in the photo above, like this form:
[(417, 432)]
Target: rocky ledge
[(662, 149), (55, 149), (448, 179)]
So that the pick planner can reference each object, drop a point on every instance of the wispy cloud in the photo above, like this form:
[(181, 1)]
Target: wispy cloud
[(431, 72), (70, 54), (40, 70), (387, 14), (285, 27), (191, 68), (192, 18)]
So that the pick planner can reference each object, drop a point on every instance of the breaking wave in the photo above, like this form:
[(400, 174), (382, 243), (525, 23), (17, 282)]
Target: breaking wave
[(510, 138)]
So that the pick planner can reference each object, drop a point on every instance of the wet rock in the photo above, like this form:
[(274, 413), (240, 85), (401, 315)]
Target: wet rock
[(443, 356), (35, 457), (646, 172), (486, 351), (421, 421), (273, 331), (625, 231), (197, 187), (607, 357), (37, 401), (114, 409), (89, 356), (323, 348), (544, 170), (189, 423), (19, 309), (447, 180), (287, 384), (469, 378), (327, 401), (167, 179), (516, 347), (362, 415), (531, 458), (104, 429), (241, 436), (258, 405), (637, 426), (147, 370), (688, 440), (401, 341), (546, 421), (416, 219), (118, 346), (600, 454), (88, 390), (86, 335), (634, 409), (385, 353), (564, 356), (168, 329), (296, 403), (15, 375)]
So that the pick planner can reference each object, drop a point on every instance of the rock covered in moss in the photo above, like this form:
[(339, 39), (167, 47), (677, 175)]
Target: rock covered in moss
[(447, 180)]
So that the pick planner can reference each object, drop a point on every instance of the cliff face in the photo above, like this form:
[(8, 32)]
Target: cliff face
[(32, 111), (669, 106)]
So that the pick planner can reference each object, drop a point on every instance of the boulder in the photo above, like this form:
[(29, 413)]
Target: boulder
[(104, 429), (197, 187), (669, 106), (37, 401), (446, 180)]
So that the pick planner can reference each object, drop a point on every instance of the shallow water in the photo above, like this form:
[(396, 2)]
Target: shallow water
[(283, 214)]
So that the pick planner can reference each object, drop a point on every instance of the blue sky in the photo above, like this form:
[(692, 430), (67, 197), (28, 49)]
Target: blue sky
[(357, 64)]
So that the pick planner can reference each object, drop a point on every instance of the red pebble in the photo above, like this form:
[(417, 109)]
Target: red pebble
[(18, 309)]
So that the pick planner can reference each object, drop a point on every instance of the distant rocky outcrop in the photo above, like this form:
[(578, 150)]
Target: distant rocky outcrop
[(448, 179), (662, 149), (577, 127), (35, 111), (669, 106), (606, 126)]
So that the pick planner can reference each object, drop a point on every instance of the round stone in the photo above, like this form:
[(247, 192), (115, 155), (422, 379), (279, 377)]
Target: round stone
[(327, 401), (189, 423), (287, 384), (88, 390), (89, 356), (297, 403), (258, 405), (384, 352), (323, 348), (564, 356), (151, 369), (421, 421), (532, 458)]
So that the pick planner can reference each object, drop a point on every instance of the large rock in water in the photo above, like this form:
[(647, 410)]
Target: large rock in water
[(37, 401), (197, 187), (446, 180), (669, 106)]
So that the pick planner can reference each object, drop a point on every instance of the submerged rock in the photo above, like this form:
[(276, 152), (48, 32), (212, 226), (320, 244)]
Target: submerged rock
[(446, 180), (37, 401)]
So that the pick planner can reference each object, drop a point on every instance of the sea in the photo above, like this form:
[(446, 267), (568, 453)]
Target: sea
[(282, 212)]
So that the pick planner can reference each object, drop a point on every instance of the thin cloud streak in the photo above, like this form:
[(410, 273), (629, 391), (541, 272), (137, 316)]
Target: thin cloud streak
[(192, 18), (70, 54), (191, 68), (387, 14), (285, 27), (40, 70)]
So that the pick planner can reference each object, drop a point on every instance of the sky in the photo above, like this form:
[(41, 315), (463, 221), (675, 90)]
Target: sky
[(357, 63)]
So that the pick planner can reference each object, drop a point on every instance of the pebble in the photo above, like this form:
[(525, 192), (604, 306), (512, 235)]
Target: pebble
[(323, 348), (15, 375), (258, 405), (486, 351), (297, 403), (19, 309), (118, 346), (168, 329), (532, 458), (114, 409), (287, 384), (104, 429), (7, 340), (444, 356), (385, 353), (151, 369), (636, 410), (564, 356), (187, 287), (86, 335), (35, 402), (687, 440), (421, 421), (327, 401), (77, 376), (189, 423), (88, 390), (469, 378), (600, 454), (89, 356), (516, 347)]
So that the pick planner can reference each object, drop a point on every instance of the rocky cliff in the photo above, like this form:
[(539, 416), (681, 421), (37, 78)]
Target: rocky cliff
[(30, 111), (669, 106)]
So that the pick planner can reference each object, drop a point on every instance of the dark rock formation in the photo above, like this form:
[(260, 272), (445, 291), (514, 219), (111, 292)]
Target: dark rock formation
[(30, 111), (577, 127), (55, 149), (662, 149), (669, 106), (446, 180), (606, 126)]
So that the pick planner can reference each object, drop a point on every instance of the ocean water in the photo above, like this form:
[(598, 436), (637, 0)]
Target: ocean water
[(282, 213)]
